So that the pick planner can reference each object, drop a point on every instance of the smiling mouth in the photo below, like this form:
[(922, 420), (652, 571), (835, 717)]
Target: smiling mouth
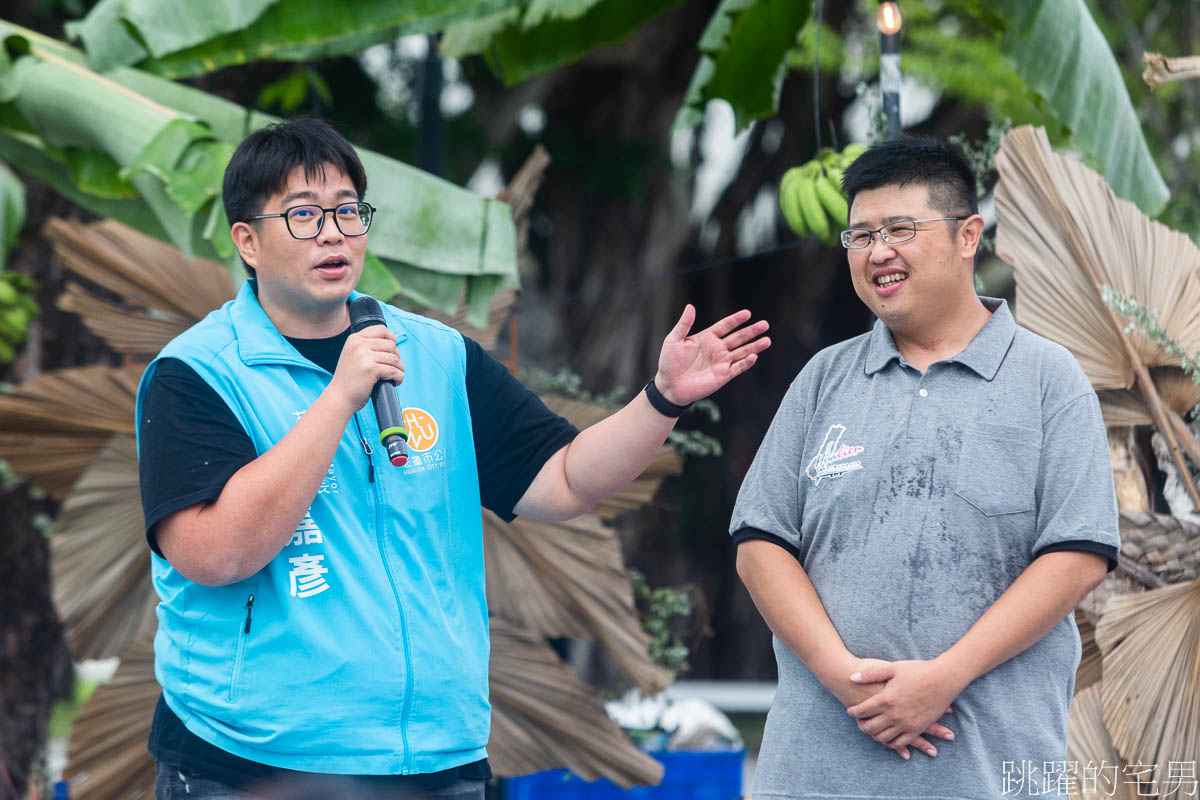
[(888, 280)]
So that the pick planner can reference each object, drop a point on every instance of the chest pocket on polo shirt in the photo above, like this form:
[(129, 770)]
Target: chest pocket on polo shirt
[(998, 467)]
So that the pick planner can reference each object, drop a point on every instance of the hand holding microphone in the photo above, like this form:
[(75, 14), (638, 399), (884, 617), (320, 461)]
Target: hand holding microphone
[(373, 354)]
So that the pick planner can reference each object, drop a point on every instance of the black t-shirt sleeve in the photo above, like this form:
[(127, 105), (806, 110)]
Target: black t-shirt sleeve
[(190, 443), (515, 434)]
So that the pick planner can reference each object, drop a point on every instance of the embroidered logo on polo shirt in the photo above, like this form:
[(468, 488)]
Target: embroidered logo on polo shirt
[(830, 460)]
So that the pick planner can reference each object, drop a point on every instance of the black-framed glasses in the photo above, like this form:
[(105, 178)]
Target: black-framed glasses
[(892, 233), (305, 222)]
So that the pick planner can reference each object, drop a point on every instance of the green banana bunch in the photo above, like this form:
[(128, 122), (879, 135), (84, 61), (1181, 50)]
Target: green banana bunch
[(17, 308), (810, 195)]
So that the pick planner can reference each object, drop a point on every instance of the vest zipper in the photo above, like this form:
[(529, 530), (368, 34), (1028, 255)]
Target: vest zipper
[(239, 656), (249, 606), (366, 449), (387, 568)]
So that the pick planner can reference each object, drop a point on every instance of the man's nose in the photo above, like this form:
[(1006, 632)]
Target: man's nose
[(329, 229), (880, 250)]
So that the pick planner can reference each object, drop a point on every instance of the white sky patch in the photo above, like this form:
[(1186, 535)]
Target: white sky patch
[(393, 92), (917, 100), (396, 70), (414, 46), (756, 223), (681, 147), (987, 210), (456, 98), (721, 152), (531, 119), (487, 180), (1182, 145)]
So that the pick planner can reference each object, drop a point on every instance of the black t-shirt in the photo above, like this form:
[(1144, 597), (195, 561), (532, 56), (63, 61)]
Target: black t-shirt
[(191, 444)]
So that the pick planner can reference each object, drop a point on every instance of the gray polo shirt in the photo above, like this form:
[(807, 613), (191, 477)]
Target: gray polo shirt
[(913, 502)]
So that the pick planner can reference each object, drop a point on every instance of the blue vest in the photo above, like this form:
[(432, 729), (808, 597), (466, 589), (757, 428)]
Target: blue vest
[(362, 648)]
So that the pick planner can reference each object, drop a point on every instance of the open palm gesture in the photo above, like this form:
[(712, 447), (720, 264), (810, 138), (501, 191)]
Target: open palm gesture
[(695, 366)]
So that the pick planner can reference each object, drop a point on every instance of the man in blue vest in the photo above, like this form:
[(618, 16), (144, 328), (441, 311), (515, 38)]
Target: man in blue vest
[(322, 611)]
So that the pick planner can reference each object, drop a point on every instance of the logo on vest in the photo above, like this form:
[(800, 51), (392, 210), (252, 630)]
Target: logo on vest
[(830, 460), (423, 434), (422, 429)]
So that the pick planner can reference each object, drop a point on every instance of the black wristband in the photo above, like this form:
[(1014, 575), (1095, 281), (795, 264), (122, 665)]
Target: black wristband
[(661, 404)]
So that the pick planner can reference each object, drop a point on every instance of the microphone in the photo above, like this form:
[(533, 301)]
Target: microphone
[(365, 312)]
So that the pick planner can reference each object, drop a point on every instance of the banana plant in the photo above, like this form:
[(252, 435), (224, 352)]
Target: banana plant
[(151, 152), (179, 38), (1056, 49)]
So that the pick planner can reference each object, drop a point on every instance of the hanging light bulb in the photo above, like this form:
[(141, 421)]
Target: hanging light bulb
[(888, 19)]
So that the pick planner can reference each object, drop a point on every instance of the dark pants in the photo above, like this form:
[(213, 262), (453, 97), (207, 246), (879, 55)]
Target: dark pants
[(172, 784)]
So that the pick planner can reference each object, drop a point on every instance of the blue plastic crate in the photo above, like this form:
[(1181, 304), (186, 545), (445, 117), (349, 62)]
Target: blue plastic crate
[(687, 776)]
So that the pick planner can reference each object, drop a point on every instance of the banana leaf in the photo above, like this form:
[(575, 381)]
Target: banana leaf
[(1062, 55), (520, 50), (744, 58), (538, 11), (151, 153), (12, 210), (162, 26), (181, 38), (1056, 48)]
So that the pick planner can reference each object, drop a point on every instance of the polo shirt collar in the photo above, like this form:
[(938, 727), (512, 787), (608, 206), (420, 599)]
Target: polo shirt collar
[(983, 355)]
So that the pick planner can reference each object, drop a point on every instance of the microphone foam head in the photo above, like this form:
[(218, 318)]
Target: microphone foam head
[(365, 312)]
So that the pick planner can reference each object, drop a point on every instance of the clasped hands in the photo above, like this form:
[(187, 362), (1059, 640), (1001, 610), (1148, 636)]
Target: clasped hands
[(898, 703)]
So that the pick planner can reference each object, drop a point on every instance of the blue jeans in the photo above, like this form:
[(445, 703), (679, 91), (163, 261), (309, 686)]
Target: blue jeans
[(173, 784)]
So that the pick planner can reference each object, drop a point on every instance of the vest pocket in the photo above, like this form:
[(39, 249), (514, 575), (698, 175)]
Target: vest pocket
[(240, 650), (997, 468)]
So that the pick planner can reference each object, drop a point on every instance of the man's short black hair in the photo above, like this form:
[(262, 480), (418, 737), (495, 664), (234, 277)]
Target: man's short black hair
[(261, 164), (917, 160)]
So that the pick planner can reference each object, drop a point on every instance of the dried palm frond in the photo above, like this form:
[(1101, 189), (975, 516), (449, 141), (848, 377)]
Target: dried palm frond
[(1167, 546), (138, 334), (1127, 407), (1115, 584), (108, 759), (52, 427), (1066, 234), (145, 272), (1156, 549), (1088, 745), (1091, 667), (642, 490), (99, 560), (568, 579), (1160, 69), (1150, 643), (1128, 468), (544, 717)]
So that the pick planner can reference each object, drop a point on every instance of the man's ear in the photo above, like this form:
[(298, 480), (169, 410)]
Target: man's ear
[(246, 239), (968, 235)]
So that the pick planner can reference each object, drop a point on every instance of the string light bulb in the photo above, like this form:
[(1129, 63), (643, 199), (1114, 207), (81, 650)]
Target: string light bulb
[(888, 19)]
